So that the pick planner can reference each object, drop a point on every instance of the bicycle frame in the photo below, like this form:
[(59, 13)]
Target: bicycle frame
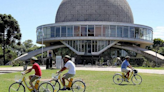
[(60, 79), (130, 76), (24, 81)]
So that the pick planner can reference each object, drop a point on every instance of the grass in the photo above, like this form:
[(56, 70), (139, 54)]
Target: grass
[(155, 68), (5, 66), (97, 81)]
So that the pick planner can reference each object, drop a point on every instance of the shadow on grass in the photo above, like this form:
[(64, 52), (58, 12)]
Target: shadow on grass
[(127, 84)]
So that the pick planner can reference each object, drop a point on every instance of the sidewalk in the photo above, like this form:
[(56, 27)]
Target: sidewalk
[(87, 68), (119, 69), (14, 69)]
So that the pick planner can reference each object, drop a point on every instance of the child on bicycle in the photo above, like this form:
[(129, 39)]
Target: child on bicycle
[(38, 72), (124, 66), (71, 70)]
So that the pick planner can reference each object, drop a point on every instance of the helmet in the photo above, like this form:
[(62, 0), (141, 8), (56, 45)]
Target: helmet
[(67, 56), (127, 57), (34, 58)]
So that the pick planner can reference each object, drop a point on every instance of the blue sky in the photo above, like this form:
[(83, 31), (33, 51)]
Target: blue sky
[(32, 13)]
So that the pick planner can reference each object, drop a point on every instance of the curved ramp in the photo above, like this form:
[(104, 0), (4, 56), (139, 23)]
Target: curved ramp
[(36, 52), (147, 53)]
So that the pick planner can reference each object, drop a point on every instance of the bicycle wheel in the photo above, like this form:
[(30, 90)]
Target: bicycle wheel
[(117, 79), (78, 86), (136, 79), (46, 87), (17, 87), (56, 85)]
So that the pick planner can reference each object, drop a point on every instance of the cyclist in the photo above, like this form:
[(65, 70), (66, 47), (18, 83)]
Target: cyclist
[(71, 70), (124, 66), (38, 72)]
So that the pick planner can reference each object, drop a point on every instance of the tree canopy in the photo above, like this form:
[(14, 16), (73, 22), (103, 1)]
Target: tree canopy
[(9, 33)]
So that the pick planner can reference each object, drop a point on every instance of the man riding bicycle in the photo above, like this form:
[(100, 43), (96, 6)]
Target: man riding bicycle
[(38, 72), (124, 66), (71, 70)]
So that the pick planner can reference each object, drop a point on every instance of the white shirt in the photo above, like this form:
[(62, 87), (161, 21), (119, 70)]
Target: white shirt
[(71, 67)]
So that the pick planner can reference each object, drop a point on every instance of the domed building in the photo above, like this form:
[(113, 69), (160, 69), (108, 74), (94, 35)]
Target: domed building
[(92, 27)]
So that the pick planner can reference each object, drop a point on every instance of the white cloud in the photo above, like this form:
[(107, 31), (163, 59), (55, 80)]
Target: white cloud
[(159, 32)]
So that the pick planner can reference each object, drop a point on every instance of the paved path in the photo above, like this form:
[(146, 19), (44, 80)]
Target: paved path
[(118, 69), (14, 69), (91, 68)]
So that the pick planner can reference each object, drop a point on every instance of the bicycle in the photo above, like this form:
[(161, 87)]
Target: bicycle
[(75, 86), (135, 78), (18, 86)]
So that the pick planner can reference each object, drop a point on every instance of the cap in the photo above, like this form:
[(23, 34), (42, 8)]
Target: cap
[(127, 57), (67, 56), (34, 58)]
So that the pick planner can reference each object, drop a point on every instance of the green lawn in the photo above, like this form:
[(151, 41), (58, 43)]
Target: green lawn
[(5, 66), (97, 81), (155, 68)]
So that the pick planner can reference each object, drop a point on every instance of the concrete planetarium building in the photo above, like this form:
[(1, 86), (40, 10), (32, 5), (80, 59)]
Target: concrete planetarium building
[(92, 27)]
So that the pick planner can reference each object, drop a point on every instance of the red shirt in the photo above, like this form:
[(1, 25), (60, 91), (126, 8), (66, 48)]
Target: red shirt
[(37, 69)]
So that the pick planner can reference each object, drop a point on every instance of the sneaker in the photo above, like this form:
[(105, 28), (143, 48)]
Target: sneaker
[(126, 80), (34, 90), (63, 89), (68, 88)]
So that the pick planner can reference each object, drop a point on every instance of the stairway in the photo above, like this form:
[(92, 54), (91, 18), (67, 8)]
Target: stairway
[(147, 53)]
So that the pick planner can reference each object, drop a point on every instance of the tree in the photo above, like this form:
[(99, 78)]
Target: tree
[(28, 44), (158, 42), (9, 32)]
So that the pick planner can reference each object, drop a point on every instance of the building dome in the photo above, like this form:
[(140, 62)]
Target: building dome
[(94, 10)]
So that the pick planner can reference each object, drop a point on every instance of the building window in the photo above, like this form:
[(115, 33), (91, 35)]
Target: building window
[(82, 46), (77, 45), (73, 44), (48, 32), (132, 32), (106, 31), (119, 31), (90, 30), (45, 32), (39, 33), (137, 32), (141, 33), (83, 30), (63, 31), (69, 31), (76, 30), (57, 31), (125, 32), (145, 34), (52, 31), (149, 33), (98, 31), (112, 31)]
